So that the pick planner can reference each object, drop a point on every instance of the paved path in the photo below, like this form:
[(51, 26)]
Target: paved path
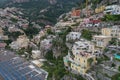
[(89, 77)]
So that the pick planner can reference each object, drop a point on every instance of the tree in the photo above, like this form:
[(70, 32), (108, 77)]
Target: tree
[(8, 41), (113, 41), (113, 65), (49, 56), (106, 49), (90, 61), (30, 31), (119, 68), (116, 77), (14, 20), (15, 35), (49, 31), (109, 17), (21, 51), (87, 34)]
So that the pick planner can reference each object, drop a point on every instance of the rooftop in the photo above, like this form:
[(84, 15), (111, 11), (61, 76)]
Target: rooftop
[(16, 68), (85, 54), (102, 36)]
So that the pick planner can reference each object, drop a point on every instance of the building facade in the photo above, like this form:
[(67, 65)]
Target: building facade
[(80, 58), (106, 31), (112, 9), (21, 42), (75, 13), (113, 31), (73, 36), (101, 41), (100, 9)]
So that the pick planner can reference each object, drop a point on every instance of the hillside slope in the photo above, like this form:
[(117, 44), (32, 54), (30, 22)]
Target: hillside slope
[(43, 11)]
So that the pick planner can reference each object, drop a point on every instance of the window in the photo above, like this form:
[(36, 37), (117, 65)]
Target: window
[(76, 68), (116, 35), (76, 52), (111, 34), (84, 60)]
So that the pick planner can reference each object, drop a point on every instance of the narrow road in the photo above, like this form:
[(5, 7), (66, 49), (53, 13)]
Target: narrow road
[(89, 77)]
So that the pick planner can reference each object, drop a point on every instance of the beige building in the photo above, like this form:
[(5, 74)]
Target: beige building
[(106, 31), (113, 31), (21, 42), (100, 9), (36, 39), (36, 54), (101, 41), (81, 57), (82, 62)]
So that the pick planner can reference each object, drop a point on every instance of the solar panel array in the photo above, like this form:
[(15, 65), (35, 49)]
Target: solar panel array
[(18, 69)]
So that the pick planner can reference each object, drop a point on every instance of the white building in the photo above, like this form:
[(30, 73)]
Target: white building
[(115, 31), (36, 54), (112, 9), (73, 36), (46, 44), (83, 45)]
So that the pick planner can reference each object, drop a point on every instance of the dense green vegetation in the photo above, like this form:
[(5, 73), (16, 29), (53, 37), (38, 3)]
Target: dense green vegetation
[(49, 31), (51, 13), (111, 18), (14, 35), (55, 68), (87, 34), (30, 31), (90, 61), (8, 41), (113, 41), (106, 50), (116, 77), (14, 20), (103, 58), (119, 68)]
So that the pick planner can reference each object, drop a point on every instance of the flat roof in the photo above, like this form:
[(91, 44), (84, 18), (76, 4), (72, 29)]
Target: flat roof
[(102, 36), (16, 68)]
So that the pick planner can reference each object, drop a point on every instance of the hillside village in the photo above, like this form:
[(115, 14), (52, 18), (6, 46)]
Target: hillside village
[(84, 44)]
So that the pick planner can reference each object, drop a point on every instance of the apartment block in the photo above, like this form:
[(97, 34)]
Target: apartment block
[(80, 58), (101, 41), (112, 9), (113, 31), (100, 9), (106, 31)]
